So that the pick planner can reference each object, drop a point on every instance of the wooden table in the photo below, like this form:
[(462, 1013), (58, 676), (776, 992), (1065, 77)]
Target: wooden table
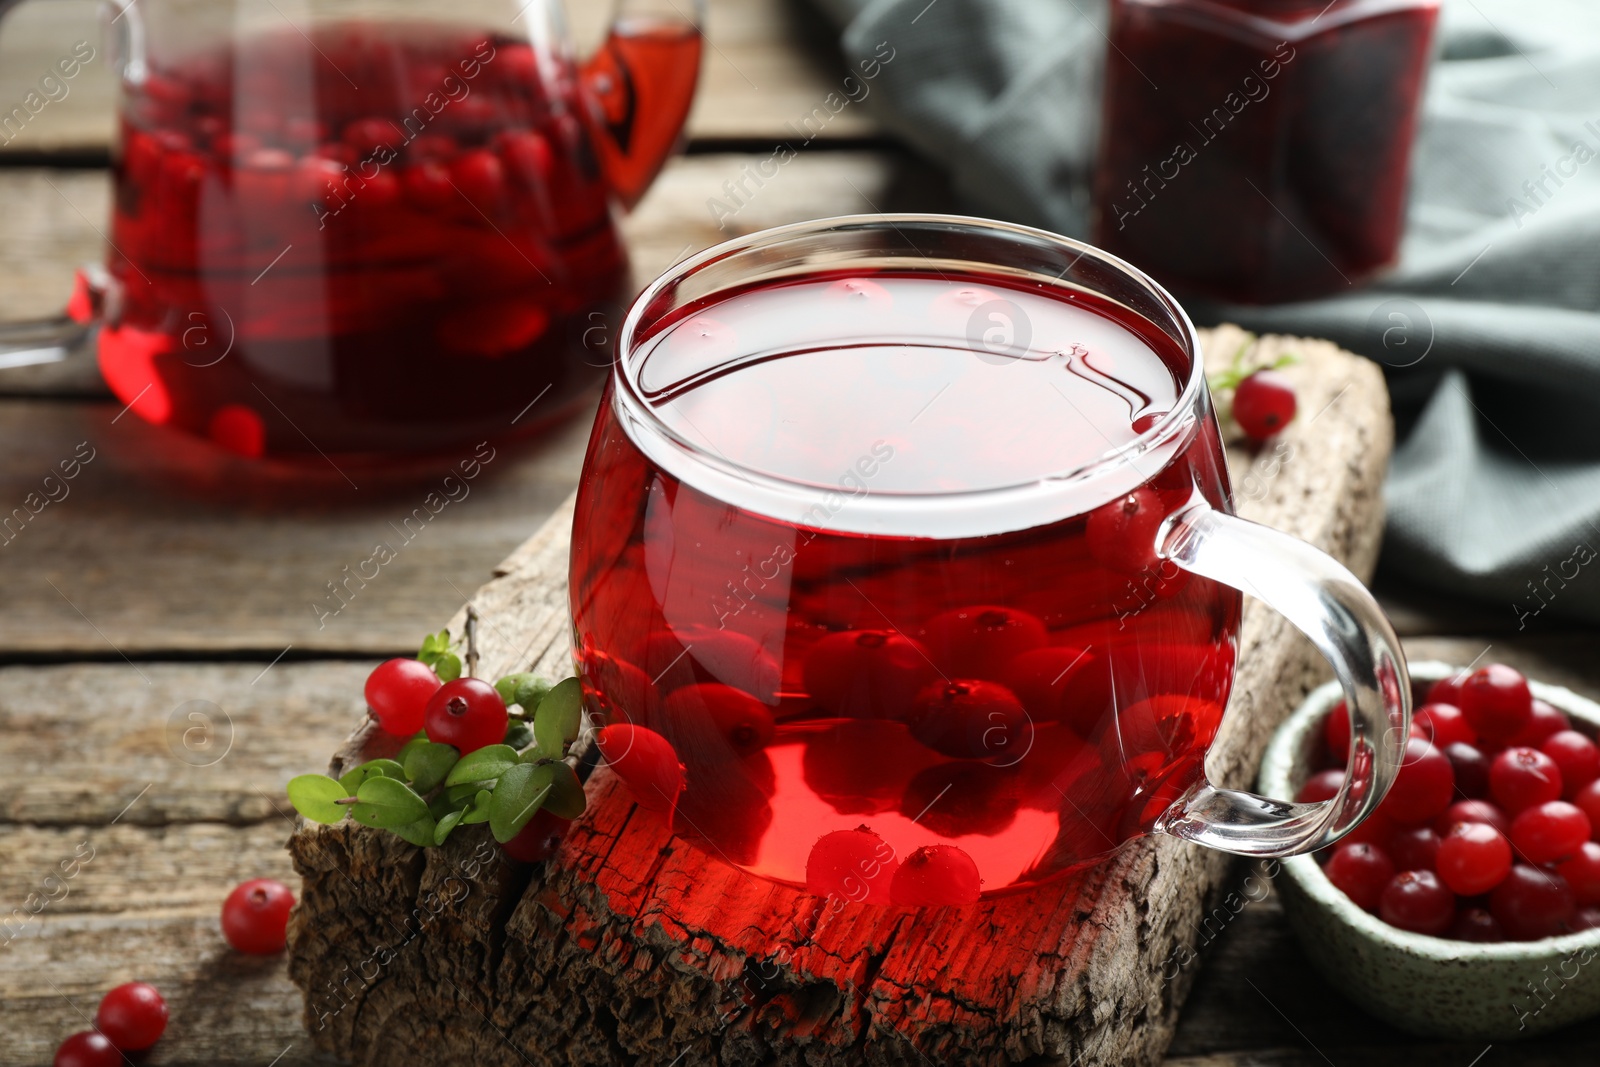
[(167, 586)]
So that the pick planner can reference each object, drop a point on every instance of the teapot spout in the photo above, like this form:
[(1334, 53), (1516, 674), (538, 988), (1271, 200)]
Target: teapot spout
[(639, 85)]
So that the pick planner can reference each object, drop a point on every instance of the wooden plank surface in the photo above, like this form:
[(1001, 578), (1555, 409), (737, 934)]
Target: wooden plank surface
[(767, 63)]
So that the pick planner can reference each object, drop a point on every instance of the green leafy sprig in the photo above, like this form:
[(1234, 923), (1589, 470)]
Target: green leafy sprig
[(428, 789)]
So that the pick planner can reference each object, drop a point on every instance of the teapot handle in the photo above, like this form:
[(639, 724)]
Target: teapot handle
[(638, 87)]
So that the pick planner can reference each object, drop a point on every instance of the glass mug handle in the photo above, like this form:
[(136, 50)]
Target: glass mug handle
[(1330, 606)]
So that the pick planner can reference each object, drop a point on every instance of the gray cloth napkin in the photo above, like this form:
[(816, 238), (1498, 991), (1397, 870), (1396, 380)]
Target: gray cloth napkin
[(1488, 327)]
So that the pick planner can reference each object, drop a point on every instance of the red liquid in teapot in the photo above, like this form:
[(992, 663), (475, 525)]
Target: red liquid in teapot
[(366, 239), (1032, 694)]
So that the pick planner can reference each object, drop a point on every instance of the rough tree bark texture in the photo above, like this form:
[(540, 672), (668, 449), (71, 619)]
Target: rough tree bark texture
[(631, 947)]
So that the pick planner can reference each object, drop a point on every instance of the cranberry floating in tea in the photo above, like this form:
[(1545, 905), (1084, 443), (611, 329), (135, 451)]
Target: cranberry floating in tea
[(375, 234), (904, 556), (1256, 150)]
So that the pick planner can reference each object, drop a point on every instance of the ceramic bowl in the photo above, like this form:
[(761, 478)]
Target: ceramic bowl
[(1428, 985)]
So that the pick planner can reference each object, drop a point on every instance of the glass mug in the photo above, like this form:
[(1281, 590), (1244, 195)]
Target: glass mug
[(904, 567), (368, 228)]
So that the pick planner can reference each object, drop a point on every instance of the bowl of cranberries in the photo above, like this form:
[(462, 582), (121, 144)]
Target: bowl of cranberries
[(1468, 904)]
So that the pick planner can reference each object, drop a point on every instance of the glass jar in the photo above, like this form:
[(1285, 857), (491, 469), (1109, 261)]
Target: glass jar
[(1256, 150)]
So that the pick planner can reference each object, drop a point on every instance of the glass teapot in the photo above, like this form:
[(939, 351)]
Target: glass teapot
[(367, 229)]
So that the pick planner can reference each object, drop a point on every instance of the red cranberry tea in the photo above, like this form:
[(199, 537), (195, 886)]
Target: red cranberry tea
[(373, 238), (886, 698)]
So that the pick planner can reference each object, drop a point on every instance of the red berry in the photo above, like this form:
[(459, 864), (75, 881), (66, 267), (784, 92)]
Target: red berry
[(255, 917), (366, 135), (1471, 768), (867, 674), (1414, 848), (972, 720), (1522, 777), (1588, 799), (1576, 755), (645, 761), (1122, 534), (1263, 403), (1476, 924), (1336, 732), (1423, 788), (1473, 858), (742, 720), (427, 185), (1586, 919), (1375, 829), (1472, 811), (133, 1016), (527, 156), (466, 713), (397, 691), (1496, 702), (1361, 872), (1544, 721), (1443, 724), (87, 1048), (1417, 901), (1531, 904), (1324, 785), (539, 840), (1549, 832), (1447, 690), (1060, 683), (481, 178), (855, 865), (936, 876), (1582, 873), (978, 642)]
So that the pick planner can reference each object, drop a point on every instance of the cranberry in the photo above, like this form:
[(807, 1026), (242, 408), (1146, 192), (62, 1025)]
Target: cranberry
[(1447, 690), (1588, 798), (133, 1016), (1549, 832), (255, 917), (867, 674), (958, 798), (466, 713), (1361, 872), (367, 135), (1471, 769), (736, 716), (1472, 811), (1576, 755), (1496, 702), (978, 642), (1414, 848), (480, 176), (380, 192), (1586, 919), (1424, 786), (1063, 684), (1122, 534), (972, 720), (1263, 404), (855, 865), (1444, 724), (645, 761), (1336, 732), (1531, 903), (427, 185), (936, 876), (1375, 829), (1324, 785), (1476, 924), (1473, 858), (527, 155), (1417, 901), (397, 691), (1582, 873), (1544, 721), (87, 1048), (539, 840), (1522, 777)]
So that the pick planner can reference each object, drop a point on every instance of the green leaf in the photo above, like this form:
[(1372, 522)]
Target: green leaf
[(442, 828), (507, 686), (377, 768), (419, 833), (433, 644), (1288, 359), (441, 805), (556, 723), (427, 765), (388, 804), (418, 739), (435, 652), (518, 735), (466, 791), (488, 762), (479, 812), (517, 797), (448, 667), (566, 797), (530, 691), (313, 796)]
